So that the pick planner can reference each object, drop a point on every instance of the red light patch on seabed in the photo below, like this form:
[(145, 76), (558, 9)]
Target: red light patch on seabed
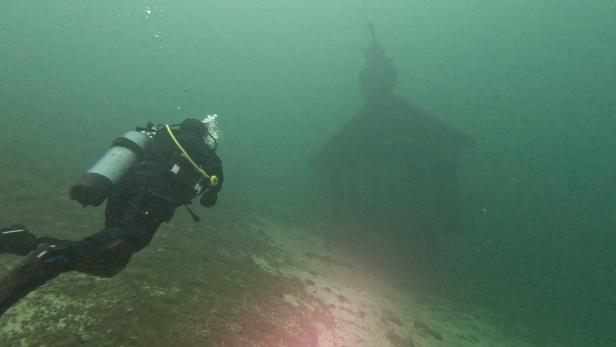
[(298, 320)]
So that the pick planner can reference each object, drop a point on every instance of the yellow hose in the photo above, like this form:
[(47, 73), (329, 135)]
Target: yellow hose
[(212, 179)]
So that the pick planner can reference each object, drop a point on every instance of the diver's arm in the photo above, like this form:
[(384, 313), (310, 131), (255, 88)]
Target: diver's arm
[(208, 199)]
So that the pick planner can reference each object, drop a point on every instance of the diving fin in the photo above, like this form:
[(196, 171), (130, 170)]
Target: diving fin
[(40, 266), (16, 239)]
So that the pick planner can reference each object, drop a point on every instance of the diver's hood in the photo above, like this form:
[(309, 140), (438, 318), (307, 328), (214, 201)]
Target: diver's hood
[(193, 126)]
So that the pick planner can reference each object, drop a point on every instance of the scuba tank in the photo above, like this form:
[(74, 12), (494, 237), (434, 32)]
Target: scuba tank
[(95, 184)]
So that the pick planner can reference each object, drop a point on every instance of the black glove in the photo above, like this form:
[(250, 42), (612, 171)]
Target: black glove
[(208, 199)]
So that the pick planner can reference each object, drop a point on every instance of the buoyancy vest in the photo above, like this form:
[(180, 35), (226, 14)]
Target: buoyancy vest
[(179, 181)]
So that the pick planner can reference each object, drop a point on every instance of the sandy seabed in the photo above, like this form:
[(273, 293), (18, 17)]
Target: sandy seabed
[(236, 279)]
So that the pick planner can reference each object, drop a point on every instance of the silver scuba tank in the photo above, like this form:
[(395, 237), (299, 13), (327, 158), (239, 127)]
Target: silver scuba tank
[(95, 184)]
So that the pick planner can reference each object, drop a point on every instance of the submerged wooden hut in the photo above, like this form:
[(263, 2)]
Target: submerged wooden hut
[(392, 166)]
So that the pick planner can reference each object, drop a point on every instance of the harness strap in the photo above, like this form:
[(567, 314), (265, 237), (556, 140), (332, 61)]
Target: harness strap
[(212, 179)]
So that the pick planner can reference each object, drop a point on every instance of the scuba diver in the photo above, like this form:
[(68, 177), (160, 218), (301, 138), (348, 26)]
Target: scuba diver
[(145, 175)]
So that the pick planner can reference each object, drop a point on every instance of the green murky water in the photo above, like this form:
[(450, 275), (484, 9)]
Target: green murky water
[(532, 82)]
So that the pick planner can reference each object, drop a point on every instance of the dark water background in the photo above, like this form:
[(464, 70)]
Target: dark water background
[(532, 81)]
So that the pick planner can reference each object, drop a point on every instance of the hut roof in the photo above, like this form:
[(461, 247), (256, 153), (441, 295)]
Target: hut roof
[(388, 125), (390, 129)]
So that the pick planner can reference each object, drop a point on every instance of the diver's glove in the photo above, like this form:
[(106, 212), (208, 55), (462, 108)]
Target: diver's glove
[(208, 199)]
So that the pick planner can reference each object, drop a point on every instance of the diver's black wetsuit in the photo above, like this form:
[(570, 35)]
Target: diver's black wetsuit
[(147, 196)]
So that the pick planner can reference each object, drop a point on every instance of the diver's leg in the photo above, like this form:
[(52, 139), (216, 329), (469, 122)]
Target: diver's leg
[(130, 224), (107, 252), (40, 266), (103, 254), (18, 240)]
